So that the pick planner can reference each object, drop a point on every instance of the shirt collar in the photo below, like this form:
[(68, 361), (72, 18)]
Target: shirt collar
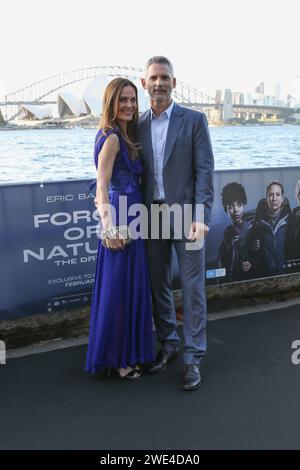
[(167, 111)]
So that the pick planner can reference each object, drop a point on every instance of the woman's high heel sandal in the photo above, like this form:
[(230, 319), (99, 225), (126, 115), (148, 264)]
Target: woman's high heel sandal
[(129, 373)]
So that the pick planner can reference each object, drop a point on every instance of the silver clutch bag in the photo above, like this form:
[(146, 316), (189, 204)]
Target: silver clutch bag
[(123, 231)]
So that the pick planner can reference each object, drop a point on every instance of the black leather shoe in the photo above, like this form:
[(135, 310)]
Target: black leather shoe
[(162, 361), (191, 377)]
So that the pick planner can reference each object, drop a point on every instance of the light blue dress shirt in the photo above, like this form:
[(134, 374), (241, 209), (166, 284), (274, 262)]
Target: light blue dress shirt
[(159, 130)]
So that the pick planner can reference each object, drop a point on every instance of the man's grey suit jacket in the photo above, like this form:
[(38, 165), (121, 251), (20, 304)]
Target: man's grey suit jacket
[(188, 169)]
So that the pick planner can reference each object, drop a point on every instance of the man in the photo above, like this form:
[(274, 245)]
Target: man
[(268, 234), (233, 252), (178, 168)]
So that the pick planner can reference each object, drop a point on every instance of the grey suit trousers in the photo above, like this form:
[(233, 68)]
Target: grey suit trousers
[(192, 276)]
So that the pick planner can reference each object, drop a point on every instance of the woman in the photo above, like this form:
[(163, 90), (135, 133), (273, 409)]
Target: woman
[(121, 317), (293, 234)]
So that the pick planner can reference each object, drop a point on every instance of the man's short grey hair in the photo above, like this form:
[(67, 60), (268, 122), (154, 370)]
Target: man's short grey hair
[(160, 59)]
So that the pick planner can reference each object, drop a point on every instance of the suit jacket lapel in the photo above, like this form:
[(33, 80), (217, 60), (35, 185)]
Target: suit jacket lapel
[(175, 124), (147, 139)]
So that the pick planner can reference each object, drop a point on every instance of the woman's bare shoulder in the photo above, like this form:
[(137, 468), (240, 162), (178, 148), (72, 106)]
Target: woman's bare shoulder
[(112, 142)]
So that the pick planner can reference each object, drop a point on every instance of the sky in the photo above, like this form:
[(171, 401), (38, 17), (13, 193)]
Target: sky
[(214, 44)]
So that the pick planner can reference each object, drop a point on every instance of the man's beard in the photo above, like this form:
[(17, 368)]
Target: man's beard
[(161, 99)]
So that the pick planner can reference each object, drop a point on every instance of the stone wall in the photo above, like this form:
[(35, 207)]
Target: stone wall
[(74, 323)]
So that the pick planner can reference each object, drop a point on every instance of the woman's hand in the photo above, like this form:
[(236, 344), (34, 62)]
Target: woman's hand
[(116, 244), (113, 239)]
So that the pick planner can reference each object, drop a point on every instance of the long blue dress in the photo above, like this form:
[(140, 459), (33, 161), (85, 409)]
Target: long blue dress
[(121, 313)]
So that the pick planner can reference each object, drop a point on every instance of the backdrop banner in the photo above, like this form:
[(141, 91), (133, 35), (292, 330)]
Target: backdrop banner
[(49, 242), (48, 247)]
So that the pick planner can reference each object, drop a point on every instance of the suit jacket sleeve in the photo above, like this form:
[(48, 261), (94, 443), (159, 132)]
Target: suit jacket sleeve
[(204, 170)]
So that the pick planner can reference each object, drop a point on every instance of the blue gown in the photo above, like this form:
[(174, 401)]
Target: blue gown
[(121, 313)]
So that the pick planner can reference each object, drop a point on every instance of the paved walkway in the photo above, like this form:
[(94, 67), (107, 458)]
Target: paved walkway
[(249, 398)]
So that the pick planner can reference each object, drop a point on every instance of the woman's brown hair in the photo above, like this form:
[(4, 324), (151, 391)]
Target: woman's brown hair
[(110, 104)]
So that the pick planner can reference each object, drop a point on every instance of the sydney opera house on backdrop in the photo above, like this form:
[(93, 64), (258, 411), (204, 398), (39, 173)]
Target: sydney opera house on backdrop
[(71, 104)]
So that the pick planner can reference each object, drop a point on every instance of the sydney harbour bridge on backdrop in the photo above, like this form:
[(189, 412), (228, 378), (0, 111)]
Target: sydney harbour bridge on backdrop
[(43, 93)]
